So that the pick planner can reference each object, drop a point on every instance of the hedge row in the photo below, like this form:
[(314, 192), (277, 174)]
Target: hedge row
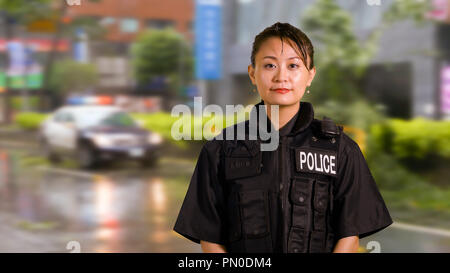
[(417, 138)]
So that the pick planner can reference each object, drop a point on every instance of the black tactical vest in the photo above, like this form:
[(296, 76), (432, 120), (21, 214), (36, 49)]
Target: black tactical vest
[(286, 208)]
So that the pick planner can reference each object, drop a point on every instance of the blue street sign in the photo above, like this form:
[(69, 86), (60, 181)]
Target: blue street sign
[(208, 39)]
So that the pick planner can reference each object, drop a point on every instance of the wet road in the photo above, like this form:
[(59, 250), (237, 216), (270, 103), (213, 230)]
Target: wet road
[(126, 209), (42, 209)]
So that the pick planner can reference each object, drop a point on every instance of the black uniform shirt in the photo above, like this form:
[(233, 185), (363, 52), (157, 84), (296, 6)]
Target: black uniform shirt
[(358, 208)]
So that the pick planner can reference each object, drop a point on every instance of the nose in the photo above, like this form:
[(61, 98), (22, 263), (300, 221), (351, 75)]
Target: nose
[(281, 75)]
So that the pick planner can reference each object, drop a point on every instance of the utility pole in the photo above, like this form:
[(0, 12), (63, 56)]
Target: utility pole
[(52, 54), (5, 94)]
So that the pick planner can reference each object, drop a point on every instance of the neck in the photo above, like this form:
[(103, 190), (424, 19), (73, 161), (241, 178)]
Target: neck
[(286, 112)]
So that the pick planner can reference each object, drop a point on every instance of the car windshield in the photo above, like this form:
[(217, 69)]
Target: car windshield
[(121, 119)]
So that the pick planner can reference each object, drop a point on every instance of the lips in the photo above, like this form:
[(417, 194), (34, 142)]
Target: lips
[(281, 90)]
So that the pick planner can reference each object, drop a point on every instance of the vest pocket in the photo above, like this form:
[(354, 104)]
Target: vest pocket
[(319, 234), (321, 197), (254, 213), (317, 242), (301, 198), (254, 207), (321, 242), (234, 218), (297, 240), (242, 166), (330, 242)]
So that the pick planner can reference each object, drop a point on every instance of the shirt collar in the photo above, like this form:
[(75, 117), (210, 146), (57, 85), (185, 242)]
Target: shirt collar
[(298, 123)]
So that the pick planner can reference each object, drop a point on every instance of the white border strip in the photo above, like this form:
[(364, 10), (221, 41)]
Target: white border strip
[(422, 229)]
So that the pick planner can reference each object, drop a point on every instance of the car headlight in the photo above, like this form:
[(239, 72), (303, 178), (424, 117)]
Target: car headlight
[(102, 140), (154, 138)]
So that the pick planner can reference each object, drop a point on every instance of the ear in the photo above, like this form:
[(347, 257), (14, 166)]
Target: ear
[(312, 74), (251, 74)]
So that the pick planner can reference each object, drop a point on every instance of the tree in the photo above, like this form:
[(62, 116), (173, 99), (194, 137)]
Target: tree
[(162, 53), (343, 59), (70, 76)]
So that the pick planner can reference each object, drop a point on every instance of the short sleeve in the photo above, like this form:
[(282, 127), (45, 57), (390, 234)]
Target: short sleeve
[(359, 208), (200, 216)]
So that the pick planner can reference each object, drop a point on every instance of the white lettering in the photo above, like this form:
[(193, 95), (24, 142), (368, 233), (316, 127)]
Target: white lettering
[(311, 167), (183, 123), (321, 164), (302, 159), (195, 263), (332, 164), (326, 166)]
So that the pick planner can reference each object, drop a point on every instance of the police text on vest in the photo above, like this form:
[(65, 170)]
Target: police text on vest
[(316, 161)]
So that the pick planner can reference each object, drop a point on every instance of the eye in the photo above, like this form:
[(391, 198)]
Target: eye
[(294, 65), (269, 66)]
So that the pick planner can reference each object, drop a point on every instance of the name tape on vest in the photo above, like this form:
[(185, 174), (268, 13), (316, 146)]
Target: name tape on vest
[(316, 161)]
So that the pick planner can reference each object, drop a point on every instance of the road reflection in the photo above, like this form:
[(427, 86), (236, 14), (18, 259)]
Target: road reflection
[(128, 212), (107, 231), (158, 208)]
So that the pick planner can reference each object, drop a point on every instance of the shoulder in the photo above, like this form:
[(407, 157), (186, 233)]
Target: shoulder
[(348, 146), (213, 146), (238, 131), (325, 128), (232, 130), (216, 144)]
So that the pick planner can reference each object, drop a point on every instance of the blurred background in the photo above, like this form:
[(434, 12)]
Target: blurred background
[(114, 180)]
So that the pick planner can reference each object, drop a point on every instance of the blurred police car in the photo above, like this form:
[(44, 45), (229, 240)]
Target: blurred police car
[(93, 133)]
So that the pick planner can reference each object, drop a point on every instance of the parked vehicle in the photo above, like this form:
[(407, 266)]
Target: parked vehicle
[(92, 134)]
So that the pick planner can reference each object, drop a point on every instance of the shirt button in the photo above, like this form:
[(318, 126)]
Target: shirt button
[(296, 250), (301, 199), (314, 138), (333, 140), (281, 186)]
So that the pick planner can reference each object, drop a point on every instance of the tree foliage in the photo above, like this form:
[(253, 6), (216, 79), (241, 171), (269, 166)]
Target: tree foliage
[(70, 76), (162, 53), (344, 58)]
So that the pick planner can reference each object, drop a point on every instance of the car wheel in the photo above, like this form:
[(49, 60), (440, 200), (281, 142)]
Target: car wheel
[(49, 153), (86, 157)]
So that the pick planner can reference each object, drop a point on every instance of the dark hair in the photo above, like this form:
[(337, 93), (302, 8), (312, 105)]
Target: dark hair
[(289, 33)]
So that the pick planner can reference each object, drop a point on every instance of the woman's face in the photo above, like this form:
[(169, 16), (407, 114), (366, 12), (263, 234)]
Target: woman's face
[(279, 74)]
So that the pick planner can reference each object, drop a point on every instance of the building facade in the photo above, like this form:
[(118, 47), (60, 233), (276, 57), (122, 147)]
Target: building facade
[(409, 59)]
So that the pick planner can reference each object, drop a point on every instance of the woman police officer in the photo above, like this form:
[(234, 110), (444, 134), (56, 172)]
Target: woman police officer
[(313, 193)]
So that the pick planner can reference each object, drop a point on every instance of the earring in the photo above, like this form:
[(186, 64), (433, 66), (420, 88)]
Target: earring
[(307, 91)]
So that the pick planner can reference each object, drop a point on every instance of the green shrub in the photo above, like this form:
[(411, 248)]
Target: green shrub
[(162, 123), (418, 138), (29, 120)]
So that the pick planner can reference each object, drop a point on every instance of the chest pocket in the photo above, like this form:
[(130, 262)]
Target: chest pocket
[(243, 159)]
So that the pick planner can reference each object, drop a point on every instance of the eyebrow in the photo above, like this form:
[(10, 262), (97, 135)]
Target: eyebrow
[(272, 57)]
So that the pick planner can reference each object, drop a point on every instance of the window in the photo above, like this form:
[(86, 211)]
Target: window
[(160, 24), (63, 117), (119, 119), (129, 25)]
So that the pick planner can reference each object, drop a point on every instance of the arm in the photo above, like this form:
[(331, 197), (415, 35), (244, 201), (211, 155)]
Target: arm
[(208, 247), (347, 245)]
